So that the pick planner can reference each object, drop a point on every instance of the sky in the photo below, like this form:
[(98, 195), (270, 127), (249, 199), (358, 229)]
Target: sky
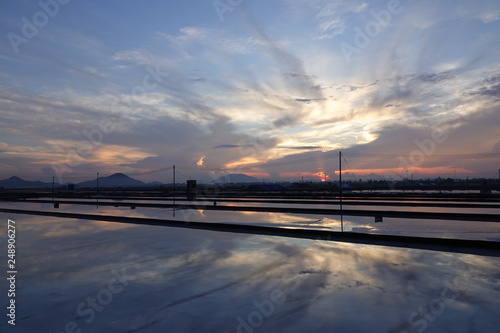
[(273, 89)]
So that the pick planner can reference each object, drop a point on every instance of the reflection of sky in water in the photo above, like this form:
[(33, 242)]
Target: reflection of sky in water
[(394, 226), (179, 280), (348, 204)]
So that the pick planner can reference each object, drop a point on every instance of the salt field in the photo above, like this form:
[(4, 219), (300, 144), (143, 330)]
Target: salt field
[(474, 230), (113, 277), (232, 166)]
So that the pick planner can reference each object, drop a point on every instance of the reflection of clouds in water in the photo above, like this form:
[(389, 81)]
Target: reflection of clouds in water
[(82, 226), (188, 280), (375, 284), (363, 224), (364, 229), (55, 232)]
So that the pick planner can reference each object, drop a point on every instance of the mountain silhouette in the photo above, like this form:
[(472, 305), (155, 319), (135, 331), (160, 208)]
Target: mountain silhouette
[(115, 180), (236, 178), (16, 182)]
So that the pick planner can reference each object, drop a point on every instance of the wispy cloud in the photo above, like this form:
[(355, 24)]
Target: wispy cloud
[(280, 80)]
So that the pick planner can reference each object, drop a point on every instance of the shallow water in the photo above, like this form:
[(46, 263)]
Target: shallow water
[(161, 279), (395, 226)]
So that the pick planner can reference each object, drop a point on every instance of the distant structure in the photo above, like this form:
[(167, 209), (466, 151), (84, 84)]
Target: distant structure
[(265, 187), (191, 189), (191, 186)]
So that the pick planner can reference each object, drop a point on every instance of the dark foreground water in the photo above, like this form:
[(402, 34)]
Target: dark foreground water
[(93, 276)]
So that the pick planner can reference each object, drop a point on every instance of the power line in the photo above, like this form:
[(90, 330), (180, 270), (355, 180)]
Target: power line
[(349, 168)]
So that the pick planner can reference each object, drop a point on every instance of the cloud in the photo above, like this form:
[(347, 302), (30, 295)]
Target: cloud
[(140, 142), (258, 78), (491, 88), (134, 56), (470, 146), (330, 17), (299, 82), (230, 146), (493, 91), (490, 16), (309, 100), (330, 27), (301, 147), (210, 38), (434, 77)]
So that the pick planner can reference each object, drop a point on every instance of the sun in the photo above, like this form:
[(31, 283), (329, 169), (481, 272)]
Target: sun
[(323, 176)]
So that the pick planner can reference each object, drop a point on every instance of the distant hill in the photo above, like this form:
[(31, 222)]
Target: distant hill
[(236, 178), (115, 180), (16, 182)]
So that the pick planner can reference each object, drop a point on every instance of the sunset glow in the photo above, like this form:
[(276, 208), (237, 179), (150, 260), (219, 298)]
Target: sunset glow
[(273, 89)]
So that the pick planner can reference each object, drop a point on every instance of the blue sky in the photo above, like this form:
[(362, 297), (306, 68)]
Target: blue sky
[(268, 88)]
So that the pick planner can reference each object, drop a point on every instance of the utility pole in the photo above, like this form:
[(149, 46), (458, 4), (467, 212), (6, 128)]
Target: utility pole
[(340, 192), (53, 188), (174, 185)]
